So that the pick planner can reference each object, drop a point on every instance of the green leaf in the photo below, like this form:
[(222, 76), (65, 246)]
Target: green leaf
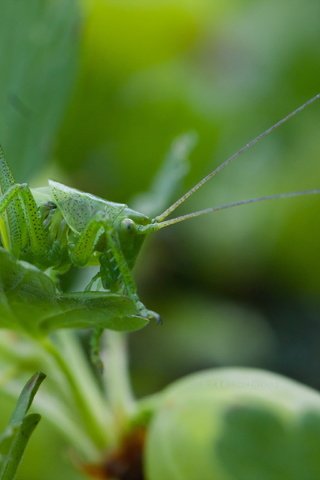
[(26, 397), (15, 438), (26, 294), (95, 310), (168, 180), (18, 444), (29, 301), (38, 52)]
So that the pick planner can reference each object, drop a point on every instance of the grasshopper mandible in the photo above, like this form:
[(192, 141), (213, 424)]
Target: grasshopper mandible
[(57, 227)]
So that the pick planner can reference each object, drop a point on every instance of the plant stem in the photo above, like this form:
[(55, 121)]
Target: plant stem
[(116, 377), (100, 430)]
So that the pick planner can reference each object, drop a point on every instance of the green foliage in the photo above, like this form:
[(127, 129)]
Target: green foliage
[(95, 310), (38, 47), (235, 424), (150, 71), (30, 301), (16, 436), (169, 178)]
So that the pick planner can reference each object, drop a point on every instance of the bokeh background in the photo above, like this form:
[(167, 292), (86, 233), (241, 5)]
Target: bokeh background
[(94, 92)]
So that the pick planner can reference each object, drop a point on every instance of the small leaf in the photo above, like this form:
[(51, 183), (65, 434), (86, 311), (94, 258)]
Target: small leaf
[(29, 301), (16, 436), (18, 444), (26, 294), (95, 309), (168, 180), (26, 397)]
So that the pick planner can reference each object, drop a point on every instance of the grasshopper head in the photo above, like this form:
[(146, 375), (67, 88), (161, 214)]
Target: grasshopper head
[(132, 228), (132, 222)]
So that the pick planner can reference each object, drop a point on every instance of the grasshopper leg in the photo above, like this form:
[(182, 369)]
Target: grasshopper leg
[(80, 255), (127, 279), (84, 246), (114, 271), (13, 229), (36, 234)]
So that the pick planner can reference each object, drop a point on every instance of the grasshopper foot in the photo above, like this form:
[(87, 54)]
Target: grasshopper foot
[(149, 314), (155, 316)]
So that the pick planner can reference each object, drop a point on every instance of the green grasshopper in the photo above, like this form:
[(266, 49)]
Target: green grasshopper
[(57, 227)]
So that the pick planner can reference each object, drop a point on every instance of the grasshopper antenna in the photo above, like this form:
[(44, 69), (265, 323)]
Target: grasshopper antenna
[(237, 203), (233, 157)]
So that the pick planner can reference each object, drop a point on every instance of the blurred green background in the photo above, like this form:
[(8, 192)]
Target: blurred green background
[(93, 93)]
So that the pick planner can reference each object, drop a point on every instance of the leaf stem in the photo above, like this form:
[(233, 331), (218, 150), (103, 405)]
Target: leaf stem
[(116, 377), (84, 392)]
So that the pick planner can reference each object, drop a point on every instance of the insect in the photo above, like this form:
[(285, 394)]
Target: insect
[(57, 227)]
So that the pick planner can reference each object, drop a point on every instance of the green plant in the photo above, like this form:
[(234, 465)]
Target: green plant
[(13, 440), (45, 232)]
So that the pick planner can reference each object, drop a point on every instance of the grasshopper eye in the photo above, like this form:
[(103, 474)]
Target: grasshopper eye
[(128, 225)]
